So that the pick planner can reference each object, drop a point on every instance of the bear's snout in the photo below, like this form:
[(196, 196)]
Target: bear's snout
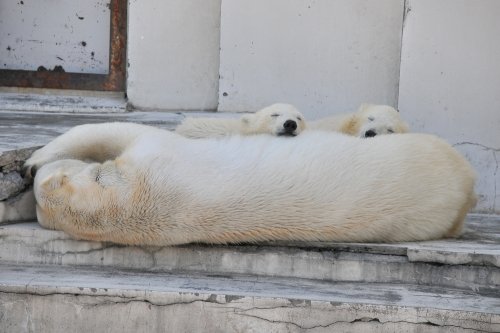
[(290, 126), (370, 133)]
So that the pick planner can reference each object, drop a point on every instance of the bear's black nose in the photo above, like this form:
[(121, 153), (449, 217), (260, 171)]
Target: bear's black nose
[(370, 133), (290, 126)]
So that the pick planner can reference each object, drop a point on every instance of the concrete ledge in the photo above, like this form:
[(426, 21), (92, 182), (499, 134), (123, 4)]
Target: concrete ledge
[(28, 243), (62, 299), (76, 103)]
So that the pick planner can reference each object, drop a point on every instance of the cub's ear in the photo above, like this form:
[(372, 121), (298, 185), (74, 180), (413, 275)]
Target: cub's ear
[(364, 107), (351, 126)]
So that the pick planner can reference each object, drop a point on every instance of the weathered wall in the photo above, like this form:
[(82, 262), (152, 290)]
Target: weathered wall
[(173, 54), (53, 33), (324, 56), (450, 81)]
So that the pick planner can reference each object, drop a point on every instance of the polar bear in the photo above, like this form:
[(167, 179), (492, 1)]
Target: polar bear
[(370, 120), (278, 119), (148, 186)]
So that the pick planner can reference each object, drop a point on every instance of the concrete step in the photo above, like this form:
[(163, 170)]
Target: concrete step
[(471, 263), (47, 298), (16, 99)]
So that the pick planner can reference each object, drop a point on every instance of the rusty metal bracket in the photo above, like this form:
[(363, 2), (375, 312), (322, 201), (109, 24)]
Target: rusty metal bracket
[(114, 81)]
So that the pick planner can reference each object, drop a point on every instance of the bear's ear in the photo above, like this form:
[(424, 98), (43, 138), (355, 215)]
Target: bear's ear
[(351, 126), (403, 127), (54, 181), (364, 107)]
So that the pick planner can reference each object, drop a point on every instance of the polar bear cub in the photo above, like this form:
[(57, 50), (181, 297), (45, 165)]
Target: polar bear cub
[(277, 119), (149, 186), (370, 120)]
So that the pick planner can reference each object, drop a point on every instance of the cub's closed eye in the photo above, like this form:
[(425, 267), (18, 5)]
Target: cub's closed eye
[(299, 118), (371, 118), (390, 130), (275, 115)]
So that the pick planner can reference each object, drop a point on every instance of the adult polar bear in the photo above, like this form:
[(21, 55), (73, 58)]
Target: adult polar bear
[(159, 188)]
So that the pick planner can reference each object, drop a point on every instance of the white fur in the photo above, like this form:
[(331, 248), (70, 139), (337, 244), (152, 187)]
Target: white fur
[(269, 120), (379, 119), (164, 189)]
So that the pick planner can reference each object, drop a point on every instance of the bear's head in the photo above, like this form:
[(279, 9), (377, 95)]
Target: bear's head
[(75, 184), (277, 119), (372, 120)]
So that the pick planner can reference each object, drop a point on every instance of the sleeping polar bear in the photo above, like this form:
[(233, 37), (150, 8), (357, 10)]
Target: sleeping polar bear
[(277, 119), (370, 120), (152, 187), (284, 119)]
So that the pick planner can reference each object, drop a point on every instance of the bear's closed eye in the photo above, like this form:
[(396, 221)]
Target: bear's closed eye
[(275, 115)]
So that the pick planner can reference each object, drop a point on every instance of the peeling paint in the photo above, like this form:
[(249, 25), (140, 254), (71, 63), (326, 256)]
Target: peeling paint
[(406, 12)]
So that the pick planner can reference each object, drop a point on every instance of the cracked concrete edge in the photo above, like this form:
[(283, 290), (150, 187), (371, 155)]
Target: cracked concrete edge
[(276, 313), (453, 258)]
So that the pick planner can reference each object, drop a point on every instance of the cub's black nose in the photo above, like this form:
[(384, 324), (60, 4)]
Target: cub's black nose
[(290, 126), (370, 133)]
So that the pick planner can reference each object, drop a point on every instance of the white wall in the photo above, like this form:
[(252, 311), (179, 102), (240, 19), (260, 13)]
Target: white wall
[(450, 81), (173, 54), (324, 56), (49, 33)]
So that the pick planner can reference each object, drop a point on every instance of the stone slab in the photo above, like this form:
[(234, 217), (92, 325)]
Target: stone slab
[(61, 299), (28, 243)]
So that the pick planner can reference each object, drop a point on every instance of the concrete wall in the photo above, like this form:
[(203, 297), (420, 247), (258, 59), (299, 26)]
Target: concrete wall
[(450, 81), (173, 54), (324, 56), (49, 33)]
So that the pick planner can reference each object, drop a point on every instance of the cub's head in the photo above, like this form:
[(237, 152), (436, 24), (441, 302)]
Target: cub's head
[(277, 119), (372, 120)]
